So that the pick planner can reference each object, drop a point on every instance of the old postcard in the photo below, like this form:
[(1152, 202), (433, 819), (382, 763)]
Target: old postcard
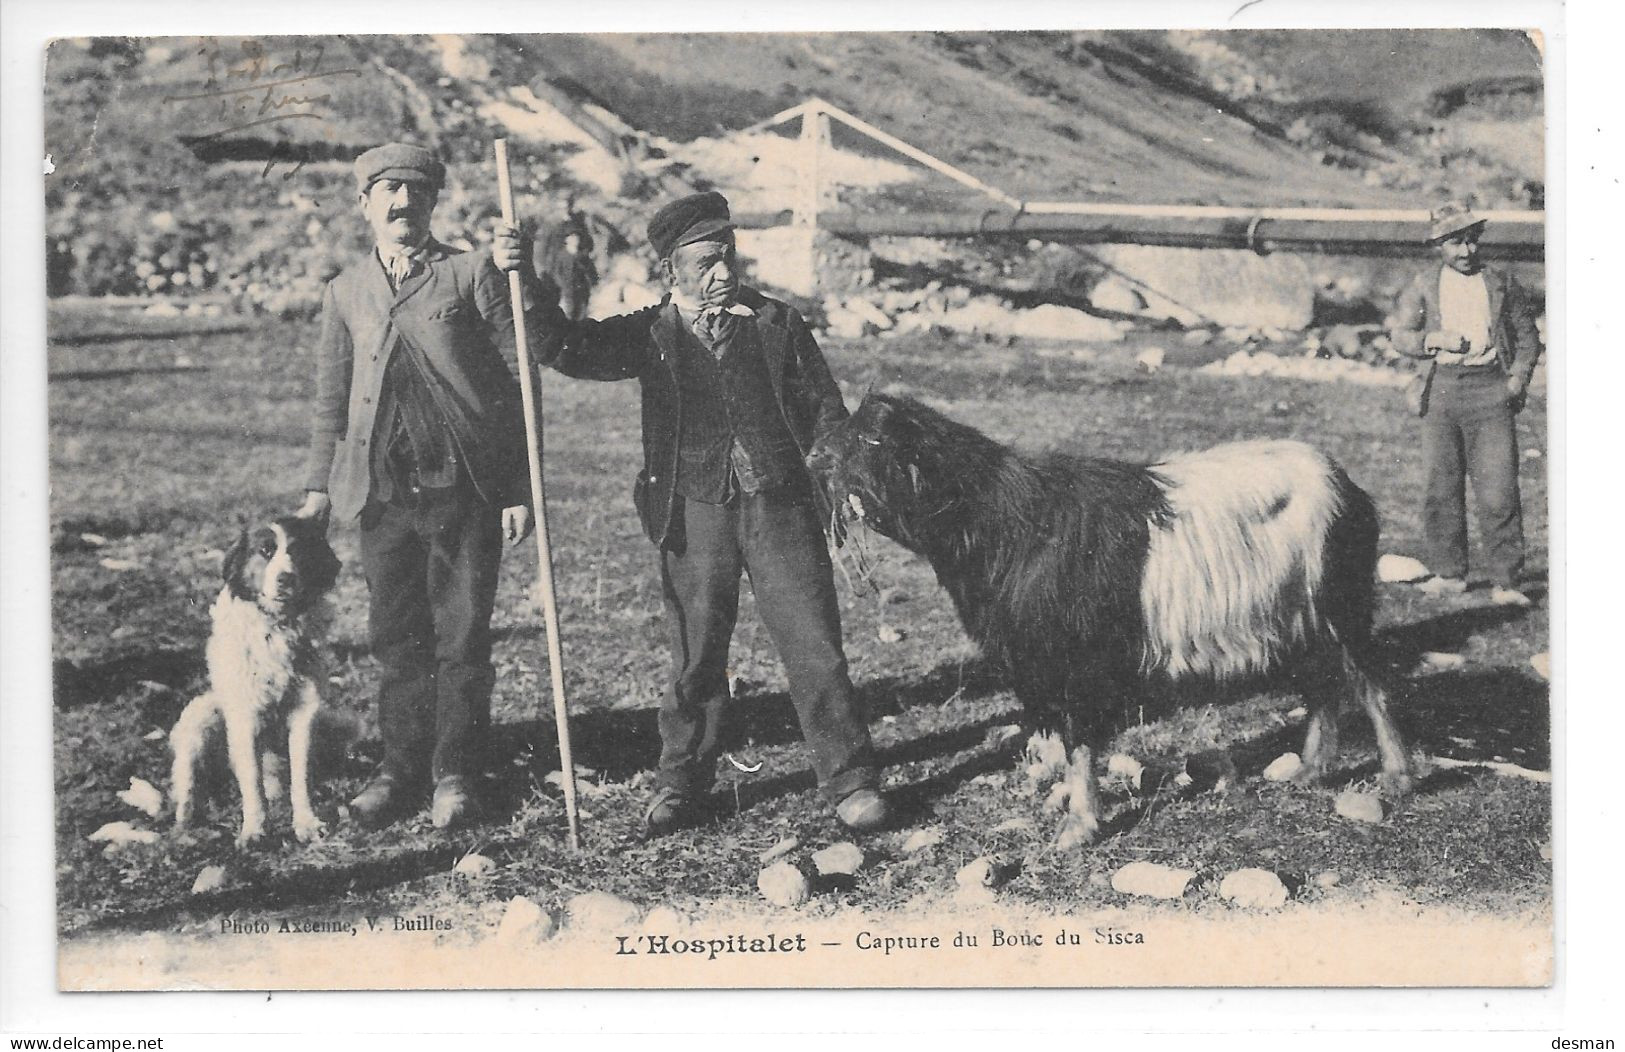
[(927, 509)]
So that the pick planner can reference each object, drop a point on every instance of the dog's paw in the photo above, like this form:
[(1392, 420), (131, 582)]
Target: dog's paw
[(308, 829), (1077, 831), (250, 835)]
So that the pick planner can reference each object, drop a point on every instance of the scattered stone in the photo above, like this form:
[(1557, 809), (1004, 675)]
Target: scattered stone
[(1328, 880), (209, 878), (1199, 337), (887, 634), (120, 565), (1283, 767), (118, 835), (779, 850), (95, 540), (1532, 454), (921, 839), (1014, 825), (601, 910), (987, 871), (1152, 880), (144, 797), (1360, 807), (783, 885), (1435, 659), (1150, 359), (1542, 664), (1253, 888), (1297, 714), (474, 866), (1400, 569), (524, 921), (1123, 767), (838, 860), (157, 734)]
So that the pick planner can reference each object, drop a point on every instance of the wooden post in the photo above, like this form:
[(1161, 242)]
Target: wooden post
[(538, 503)]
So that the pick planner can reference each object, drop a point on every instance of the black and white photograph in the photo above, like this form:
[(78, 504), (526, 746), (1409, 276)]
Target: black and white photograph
[(1060, 507)]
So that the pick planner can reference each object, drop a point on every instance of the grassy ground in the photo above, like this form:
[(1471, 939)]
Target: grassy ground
[(163, 440)]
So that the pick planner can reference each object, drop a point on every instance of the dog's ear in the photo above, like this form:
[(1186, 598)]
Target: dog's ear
[(324, 565), (231, 568)]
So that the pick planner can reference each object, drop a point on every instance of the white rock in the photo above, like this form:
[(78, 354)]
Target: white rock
[(1542, 664), (120, 565), (783, 884), (1014, 825), (1124, 767), (1153, 880), (144, 797), (988, 871), (157, 734), (1297, 713), (122, 834), (1329, 879), (1254, 889), (95, 540), (209, 878), (838, 860), (888, 634), (1438, 660), (1400, 569), (1359, 807), (601, 910), (921, 839), (524, 921), (474, 866), (1283, 767), (779, 850), (1151, 359)]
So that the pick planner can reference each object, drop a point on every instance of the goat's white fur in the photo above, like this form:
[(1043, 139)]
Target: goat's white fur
[(263, 668), (1231, 583)]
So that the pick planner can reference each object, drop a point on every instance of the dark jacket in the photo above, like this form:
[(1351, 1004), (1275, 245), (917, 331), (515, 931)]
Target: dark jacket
[(455, 312), (1512, 320), (644, 345)]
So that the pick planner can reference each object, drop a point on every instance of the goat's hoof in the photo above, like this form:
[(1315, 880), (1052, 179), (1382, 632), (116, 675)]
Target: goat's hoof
[(1309, 774), (1060, 795), (1077, 831), (1396, 784), (250, 836)]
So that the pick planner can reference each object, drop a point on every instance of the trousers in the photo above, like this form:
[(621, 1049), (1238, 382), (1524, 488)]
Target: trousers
[(776, 539), (1469, 432), (431, 562)]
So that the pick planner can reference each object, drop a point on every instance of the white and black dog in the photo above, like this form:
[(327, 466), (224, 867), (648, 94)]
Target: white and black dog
[(265, 670)]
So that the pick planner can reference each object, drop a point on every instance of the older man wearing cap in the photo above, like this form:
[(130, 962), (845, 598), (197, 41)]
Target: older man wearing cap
[(735, 391), (1476, 326), (419, 435)]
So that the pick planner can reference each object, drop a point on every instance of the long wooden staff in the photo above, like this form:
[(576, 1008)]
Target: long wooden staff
[(538, 503)]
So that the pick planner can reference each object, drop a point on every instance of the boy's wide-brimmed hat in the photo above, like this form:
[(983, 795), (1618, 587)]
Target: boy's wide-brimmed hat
[(404, 161), (1451, 218), (697, 217)]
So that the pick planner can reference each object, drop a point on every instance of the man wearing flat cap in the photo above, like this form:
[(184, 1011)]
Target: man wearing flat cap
[(418, 434), (1475, 326), (735, 391)]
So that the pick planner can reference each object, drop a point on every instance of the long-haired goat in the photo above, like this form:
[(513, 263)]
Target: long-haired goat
[(1089, 578)]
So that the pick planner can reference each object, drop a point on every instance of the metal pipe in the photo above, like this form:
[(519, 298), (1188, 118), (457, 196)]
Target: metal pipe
[(1516, 236)]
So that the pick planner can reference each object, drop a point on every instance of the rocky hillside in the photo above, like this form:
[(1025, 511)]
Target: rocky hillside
[(188, 166)]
